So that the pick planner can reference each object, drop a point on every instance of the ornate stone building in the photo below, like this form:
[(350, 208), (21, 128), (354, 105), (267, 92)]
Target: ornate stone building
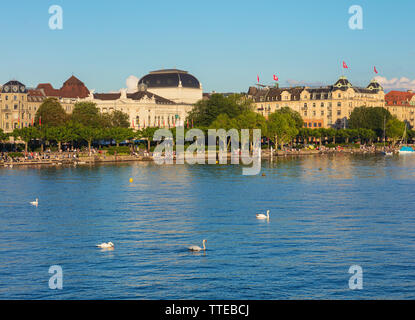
[(18, 105), (320, 107), (163, 99)]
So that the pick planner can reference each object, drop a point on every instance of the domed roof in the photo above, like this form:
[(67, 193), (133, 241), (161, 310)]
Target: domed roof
[(14, 86), (168, 78), (374, 85), (342, 83)]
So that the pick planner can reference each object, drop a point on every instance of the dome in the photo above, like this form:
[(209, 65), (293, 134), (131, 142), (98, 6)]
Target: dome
[(14, 87), (169, 78), (342, 83), (374, 85)]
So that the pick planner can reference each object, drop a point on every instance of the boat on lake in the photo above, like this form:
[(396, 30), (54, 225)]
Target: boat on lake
[(406, 150)]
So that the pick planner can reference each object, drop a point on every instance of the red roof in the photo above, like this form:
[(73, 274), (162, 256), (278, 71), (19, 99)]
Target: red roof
[(398, 98), (72, 88)]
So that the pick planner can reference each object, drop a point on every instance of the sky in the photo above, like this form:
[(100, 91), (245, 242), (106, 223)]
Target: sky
[(225, 44)]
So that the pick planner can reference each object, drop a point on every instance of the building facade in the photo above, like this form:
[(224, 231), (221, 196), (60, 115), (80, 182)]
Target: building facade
[(321, 107), (402, 105), (18, 105), (163, 98)]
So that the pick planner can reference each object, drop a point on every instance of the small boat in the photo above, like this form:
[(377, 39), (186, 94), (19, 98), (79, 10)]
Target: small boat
[(388, 153), (406, 150)]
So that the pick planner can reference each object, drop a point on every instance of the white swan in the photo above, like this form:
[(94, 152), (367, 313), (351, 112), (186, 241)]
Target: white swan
[(35, 203), (105, 245), (197, 248), (263, 216)]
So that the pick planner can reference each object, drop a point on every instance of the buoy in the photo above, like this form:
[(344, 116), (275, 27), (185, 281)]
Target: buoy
[(263, 174), (131, 180)]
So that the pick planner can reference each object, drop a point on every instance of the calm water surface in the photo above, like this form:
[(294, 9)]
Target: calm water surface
[(355, 210)]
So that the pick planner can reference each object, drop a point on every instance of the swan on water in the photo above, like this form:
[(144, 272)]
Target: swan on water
[(197, 248), (106, 245), (35, 203), (263, 216)]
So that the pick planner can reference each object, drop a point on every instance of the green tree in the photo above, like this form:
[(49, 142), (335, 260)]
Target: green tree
[(87, 114), (88, 134), (205, 112), (147, 134), (120, 134), (281, 128), (395, 129), (26, 134), (369, 118), (3, 137), (51, 113), (299, 123)]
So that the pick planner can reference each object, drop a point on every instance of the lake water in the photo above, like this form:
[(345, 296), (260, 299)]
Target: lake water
[(358, 209)]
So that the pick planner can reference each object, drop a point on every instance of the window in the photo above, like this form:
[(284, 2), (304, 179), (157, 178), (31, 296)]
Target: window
[(305, 105), (322, 112), (322, 104), (15, 107), (339, 112), (339, 104), (314, 105), (319, 124), (15, 97)]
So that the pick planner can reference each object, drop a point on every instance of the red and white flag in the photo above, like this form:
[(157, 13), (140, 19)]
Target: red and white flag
[(275, 78), (257, 77), (345, 65), (40, 121), (375, 69)]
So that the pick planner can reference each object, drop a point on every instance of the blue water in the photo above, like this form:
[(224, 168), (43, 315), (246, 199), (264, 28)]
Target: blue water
[(355, 210)]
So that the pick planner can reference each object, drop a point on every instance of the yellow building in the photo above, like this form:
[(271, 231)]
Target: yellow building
[(320, 107), (18, 105)]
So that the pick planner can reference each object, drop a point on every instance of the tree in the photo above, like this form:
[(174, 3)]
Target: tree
[(147, 134), (119, 119), (51, 113), (121, 134), (86, 114), (3, 136), (88, 134), (61, 134), (395, 129), (206, 111), (26, 134), (281, 128), (369, 118), (298, 120)]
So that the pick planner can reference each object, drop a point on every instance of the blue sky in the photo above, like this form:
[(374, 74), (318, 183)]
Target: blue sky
[(225, 44)]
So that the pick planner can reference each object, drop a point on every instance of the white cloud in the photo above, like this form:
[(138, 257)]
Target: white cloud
[(131, 83), (396, 84)]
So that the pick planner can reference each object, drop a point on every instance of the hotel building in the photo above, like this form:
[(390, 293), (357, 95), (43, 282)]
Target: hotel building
[(321, 107)]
